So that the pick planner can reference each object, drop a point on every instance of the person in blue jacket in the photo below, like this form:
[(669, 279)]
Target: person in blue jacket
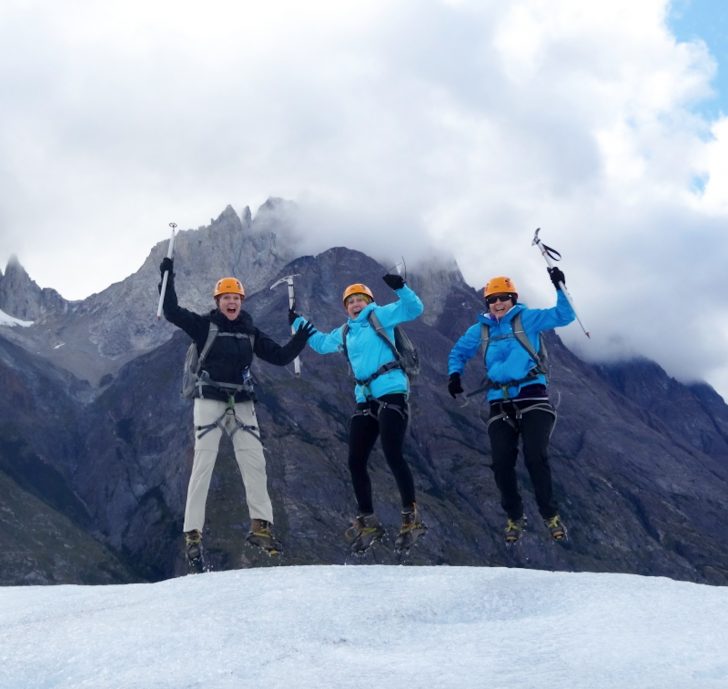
[(517, 393), (382, 410)]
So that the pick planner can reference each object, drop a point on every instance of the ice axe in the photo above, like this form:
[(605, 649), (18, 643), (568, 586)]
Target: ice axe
[(550, 254), (165, 277), (288, 279)]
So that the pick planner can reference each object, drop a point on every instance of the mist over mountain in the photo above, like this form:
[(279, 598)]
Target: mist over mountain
[(94, 429)]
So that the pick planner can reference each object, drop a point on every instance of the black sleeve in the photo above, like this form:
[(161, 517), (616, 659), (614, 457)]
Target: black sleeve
[(193, 324), (269, 350)]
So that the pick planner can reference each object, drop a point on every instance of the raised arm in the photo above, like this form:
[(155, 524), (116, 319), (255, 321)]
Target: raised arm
[(192, 323), (407, 307)]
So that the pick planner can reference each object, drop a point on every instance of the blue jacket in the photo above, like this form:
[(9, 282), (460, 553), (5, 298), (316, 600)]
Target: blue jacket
[(367, 350), (506, 359)]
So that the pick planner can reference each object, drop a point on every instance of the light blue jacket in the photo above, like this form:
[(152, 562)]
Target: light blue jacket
[(367, 350), (506, 359)]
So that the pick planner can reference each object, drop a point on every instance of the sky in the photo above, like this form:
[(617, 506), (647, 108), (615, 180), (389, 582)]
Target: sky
[(359, 627), (413, 127)]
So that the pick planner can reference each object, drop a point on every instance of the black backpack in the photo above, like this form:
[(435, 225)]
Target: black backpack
[(405, 353)]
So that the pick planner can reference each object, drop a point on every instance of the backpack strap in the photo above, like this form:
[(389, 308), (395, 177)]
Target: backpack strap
[(374, 320), (211, 335), (525, 341), (214, 332), (384, 368), (203, 379), (520, 334)]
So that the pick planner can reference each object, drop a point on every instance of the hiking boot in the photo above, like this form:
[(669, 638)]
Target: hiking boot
[(365, 530), (412, 528), (261, 536), (557, 528), (514, 529), (194, 553)]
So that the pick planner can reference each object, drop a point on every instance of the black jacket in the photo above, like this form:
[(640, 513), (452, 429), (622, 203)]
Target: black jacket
[(229, 356)]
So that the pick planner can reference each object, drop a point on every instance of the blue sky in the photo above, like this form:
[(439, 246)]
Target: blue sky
[(706, 20)]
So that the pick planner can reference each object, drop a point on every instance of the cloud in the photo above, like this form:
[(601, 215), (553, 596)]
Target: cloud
[(399, 129)]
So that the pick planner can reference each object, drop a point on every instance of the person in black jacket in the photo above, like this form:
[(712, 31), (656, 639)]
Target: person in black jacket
[(224, 401)]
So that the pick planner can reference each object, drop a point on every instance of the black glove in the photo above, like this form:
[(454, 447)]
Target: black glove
[(394, 281), (304, 331), (292, 315), (454, 386), (167, 264), (556, 276)]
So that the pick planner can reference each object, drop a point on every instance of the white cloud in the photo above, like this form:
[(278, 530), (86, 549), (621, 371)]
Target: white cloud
[(461, 124)]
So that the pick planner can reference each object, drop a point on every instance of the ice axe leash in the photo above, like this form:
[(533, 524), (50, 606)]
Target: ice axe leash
[(551, 255), (400, 267), (165, 277), (288, 279)]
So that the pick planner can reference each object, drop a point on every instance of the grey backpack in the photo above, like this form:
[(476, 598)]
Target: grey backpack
[(193, 364), (405, 353), (191, 381)]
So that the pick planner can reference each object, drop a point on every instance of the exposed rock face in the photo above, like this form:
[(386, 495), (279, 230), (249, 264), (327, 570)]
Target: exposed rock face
[(47, 534), (639, 460), (23, 298)]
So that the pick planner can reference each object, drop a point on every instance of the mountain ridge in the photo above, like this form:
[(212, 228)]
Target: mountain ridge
[(639, 459)]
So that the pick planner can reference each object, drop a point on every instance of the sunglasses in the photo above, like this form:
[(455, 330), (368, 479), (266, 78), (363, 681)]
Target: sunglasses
[(498, 297)]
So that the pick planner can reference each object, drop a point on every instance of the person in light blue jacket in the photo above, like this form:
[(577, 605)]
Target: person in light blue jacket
[(382, 410), (516, 390)]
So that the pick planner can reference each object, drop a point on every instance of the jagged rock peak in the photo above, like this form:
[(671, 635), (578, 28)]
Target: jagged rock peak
[(226, 218), (20, 296), (274, 215)]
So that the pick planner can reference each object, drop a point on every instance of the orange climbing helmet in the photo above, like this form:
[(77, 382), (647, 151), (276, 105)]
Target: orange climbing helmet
[(357, 288), (500, 285), (229, 286)]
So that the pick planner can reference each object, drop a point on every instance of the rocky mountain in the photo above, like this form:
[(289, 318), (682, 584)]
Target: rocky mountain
[(640, 461), (23, 298), (93, 338), (47, 534)]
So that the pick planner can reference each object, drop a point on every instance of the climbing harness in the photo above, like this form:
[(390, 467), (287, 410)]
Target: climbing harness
[(370, 410), (512, 414), (219, 422)]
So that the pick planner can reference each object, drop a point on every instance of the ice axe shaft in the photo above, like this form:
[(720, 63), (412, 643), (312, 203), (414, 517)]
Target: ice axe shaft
[(288, 279), (551, 255), (165, 277)]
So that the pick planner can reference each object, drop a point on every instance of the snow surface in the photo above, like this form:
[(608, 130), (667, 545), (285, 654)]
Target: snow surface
[(7, 319), (368, 627)]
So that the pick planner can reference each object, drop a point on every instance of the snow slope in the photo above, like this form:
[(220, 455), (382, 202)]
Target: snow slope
[(368, 627), (7, 319)]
